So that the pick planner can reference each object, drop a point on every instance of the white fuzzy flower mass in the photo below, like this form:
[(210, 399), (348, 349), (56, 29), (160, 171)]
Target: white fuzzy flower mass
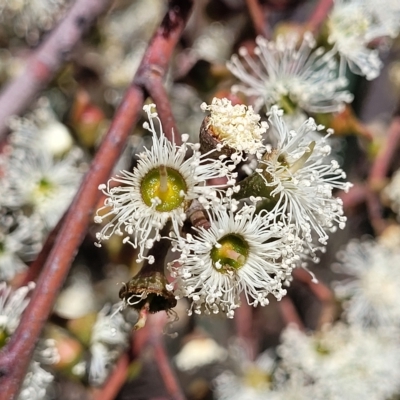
[(159, 189), (301, 183), (371, 293), (48, 184), (240, 252), (345, 362), (12, 305), (295, 76), (20, 240), (237, 126)]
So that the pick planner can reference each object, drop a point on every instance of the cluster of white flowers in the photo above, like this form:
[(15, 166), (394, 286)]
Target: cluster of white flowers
[(291, 72), (37, 379), (160, 189), (248, 248), (370, 294), (354, 25), (40, 151), (29, 17), (290, 75)]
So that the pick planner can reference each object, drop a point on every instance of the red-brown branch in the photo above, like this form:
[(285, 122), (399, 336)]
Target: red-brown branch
[(42, 65), (155, 325), (386, 155), (259, 20), (15, 356), (115, 381), (319, 15), (157, 92)]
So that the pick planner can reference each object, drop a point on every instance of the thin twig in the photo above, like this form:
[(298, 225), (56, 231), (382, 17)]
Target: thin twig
[(381, 165), (246, 330), (259, 21), (289, 313), (157, 92), (42, 65), (322, 293), (115, 381), (319, 15), (156, 324), (354, 197), (15, 356)]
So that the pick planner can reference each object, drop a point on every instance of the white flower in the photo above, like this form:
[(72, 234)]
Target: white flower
[(240, 252), (301, 184), (110, 336), (352, 27), (29, 16), (36, 383), (371, 294), (214, 44), (249, 380), (199, 352), (41, 129), (159, 189), (20, 240), (12, 305), (38, 181), (237, 126), (291, 76), (345, 362)]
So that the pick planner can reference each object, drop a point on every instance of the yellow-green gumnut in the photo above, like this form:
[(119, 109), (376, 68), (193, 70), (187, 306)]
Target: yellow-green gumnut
[(230, 253), (167, 185)]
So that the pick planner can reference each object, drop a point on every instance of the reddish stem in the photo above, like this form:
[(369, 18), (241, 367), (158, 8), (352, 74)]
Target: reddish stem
[(157, 92), (354, 197), (319, 15), (156, 324), (289, 312), (42, 65), (15, 356), (259, 21), (322, 293), (115, 381), (386, 155)]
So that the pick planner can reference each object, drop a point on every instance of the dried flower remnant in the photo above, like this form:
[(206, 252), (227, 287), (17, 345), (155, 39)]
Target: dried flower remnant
[(240, 252), (295, 76), (371, 296), (147, 292), (159, 189)]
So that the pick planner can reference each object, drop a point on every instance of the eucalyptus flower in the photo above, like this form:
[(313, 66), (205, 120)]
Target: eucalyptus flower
[(294, 75), (240, 252), (370, 293), (159, 189)]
